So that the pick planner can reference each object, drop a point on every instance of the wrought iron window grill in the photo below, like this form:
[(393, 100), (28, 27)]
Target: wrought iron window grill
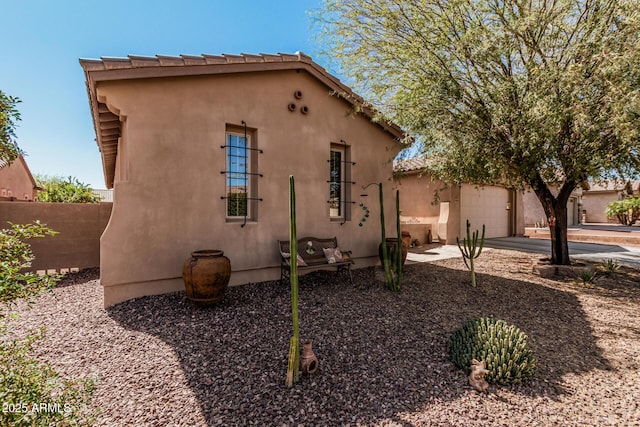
[(336, 181), (240, 156)]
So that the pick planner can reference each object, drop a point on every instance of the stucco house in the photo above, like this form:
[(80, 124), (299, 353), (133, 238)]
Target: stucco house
[(585, 205), (198, 150), (599, 194), (428, 204), (16, 181), (534, 215)]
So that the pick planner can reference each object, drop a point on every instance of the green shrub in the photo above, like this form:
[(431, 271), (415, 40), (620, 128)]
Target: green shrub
[(61, 190), (237, 204), (15, 256), (31, 392), (588, 276), (503, 346), (610, 266), (627, 211)]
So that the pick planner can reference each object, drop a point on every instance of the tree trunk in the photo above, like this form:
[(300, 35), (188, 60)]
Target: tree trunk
[(558, 233), (556, 210)]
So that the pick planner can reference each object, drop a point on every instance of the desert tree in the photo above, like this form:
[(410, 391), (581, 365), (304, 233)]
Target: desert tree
[(542, 94), (9, 116)]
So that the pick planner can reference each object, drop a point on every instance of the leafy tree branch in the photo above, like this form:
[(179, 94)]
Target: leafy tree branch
[(524, 94)]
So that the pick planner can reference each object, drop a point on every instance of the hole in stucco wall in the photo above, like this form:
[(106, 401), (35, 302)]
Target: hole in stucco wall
[(292, 107)]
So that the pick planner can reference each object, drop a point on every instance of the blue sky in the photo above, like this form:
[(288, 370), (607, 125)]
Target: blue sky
[(43, 40)]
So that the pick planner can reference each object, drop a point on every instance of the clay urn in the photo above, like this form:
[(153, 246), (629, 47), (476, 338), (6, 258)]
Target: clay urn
[(392, 243), (206, 276)]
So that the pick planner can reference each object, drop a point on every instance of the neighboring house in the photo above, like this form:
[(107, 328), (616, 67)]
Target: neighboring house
[(600, 194), (534, 215), (198, 150), (16, 181), (444, 209), (584, 205)]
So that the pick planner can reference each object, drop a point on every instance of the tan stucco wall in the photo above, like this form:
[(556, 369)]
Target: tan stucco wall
[(15, 181), (168, 188), (595, 204), (535, 215), (79, 225), (419, 206), (418, 203)]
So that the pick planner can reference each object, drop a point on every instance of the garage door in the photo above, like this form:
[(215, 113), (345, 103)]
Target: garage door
[(484, 205)]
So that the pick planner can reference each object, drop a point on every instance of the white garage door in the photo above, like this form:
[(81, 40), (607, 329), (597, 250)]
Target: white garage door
[(484, 205)]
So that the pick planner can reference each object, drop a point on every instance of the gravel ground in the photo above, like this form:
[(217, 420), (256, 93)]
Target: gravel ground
[(162, 361)]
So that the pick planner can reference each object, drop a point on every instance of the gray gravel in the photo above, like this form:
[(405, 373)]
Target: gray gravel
[(162, 361)]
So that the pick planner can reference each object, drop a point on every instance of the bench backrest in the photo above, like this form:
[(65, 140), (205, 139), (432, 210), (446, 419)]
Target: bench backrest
[(310, 248)]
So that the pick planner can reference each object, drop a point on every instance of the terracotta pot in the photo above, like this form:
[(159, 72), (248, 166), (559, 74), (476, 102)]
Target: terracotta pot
[(406, 239), (308, 360), (206, 276), (392, 243)]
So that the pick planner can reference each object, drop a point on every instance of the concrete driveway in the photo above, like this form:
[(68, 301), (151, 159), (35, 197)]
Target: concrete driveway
[(594, 252)]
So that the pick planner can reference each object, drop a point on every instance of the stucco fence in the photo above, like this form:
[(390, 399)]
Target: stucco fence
[(80, 226)]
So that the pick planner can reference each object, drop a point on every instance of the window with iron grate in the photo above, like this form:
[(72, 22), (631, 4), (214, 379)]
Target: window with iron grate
[(241, 174), (238, 187), (340, 182)]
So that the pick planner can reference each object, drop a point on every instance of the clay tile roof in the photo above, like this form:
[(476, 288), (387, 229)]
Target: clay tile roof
[(193, 60), (234, 59), (215, 59), (410, 165), (143, 61), (139, 67), (613, 185), (268, 57), (116, 63), (92, 65), (252, 58), (169, 61)]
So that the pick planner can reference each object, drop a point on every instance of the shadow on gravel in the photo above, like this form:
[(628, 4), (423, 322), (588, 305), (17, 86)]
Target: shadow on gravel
[(624, 285), (380, 353)]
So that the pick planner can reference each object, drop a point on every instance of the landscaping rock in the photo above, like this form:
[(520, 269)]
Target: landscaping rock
[(163, 361)]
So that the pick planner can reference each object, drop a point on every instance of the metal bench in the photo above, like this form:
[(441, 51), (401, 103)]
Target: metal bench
[(311, 250)]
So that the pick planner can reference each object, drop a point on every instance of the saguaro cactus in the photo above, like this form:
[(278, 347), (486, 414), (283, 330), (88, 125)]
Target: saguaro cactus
[(293, 373), (392, 262), (470, 250)]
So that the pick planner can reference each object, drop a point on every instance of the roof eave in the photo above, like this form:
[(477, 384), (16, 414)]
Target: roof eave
[(139, 67), (93, 106)]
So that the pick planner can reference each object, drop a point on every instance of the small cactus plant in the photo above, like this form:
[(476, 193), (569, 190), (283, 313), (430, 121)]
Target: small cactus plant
[(470, 250), (391, 258), (502, 346)]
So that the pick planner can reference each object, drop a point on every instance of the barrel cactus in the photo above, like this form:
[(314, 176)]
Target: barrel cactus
[(503, 346)]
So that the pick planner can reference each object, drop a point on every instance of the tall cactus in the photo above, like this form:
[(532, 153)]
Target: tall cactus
[(392, 262), (470, 250), (293, 373)]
